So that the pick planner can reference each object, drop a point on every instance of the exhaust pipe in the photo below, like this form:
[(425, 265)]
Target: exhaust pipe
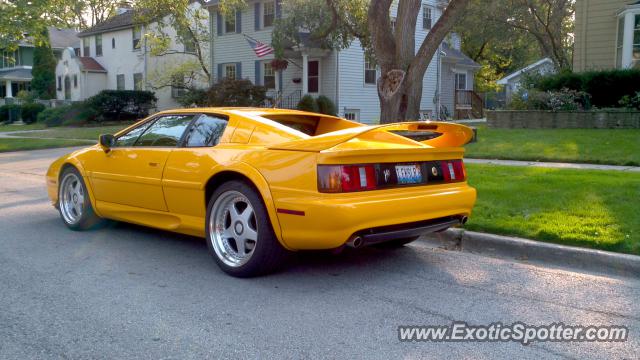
[(355, 242)]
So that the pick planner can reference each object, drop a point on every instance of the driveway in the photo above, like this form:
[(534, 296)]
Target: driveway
[(129, 292)]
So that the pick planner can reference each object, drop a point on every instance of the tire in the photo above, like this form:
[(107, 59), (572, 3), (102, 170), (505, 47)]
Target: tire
[(74, 203), (239, 233), (397, 243)]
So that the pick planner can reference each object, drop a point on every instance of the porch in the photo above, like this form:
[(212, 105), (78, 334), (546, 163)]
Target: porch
[(13, 81), (468, 105)]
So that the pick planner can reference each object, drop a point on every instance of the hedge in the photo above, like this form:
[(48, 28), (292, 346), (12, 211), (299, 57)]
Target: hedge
[(67, 115), (122, 104), (606, 87), (30, 111), (9, 113)]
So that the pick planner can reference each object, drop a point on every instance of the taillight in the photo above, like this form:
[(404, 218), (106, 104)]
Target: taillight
[(453, 170), (346, 178)]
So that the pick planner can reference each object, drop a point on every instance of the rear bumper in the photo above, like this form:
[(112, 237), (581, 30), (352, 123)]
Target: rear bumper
[(325, 221)]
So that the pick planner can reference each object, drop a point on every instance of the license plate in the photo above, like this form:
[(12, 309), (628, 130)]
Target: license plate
[(408, 174)]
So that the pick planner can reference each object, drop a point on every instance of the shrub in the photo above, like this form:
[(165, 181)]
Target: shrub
[(9, 113), (30, 111), (232, 92), (122, 104), (326, 106), (631, 102), (605, 87), (563, 100), (308, 103), (68, 115), (195, 96)]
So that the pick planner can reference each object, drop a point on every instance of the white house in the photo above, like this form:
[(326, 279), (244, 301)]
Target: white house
[(512, 82), (115, 55), (346, 76)]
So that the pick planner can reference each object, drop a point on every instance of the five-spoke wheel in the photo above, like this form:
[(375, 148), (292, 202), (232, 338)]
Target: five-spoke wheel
[(73, 201)]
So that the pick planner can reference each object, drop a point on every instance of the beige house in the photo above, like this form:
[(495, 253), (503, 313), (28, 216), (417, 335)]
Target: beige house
[(607, 34)]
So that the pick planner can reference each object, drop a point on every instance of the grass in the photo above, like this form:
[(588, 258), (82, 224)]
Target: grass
[(590, 208), (52, 137), (597, 146), (16, 144)]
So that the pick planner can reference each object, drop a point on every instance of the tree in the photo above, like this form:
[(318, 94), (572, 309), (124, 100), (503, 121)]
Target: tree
[(171, 23), (43, 72)]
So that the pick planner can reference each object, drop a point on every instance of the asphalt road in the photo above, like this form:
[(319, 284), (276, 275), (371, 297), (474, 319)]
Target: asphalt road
[(130, 292)]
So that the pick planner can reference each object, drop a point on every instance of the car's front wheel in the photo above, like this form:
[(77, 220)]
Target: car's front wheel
[(74, 203), (239, 233)]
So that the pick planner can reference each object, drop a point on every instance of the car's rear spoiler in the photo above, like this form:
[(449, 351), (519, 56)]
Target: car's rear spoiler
[(453, 135)]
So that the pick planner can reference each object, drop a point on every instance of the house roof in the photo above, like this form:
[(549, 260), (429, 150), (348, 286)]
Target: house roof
[(90, 64), (16, 74), (525, 69), (458, 56), (117, 22), (63, 38)]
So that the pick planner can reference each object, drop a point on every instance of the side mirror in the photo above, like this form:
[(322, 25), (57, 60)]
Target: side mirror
[(106, 142)]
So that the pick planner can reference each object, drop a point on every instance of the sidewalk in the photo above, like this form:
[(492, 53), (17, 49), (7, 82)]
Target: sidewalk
[(553, 165)]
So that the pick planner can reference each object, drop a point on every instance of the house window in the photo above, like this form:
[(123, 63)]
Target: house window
[(75, 81), (99, 45), (628, 41), (120, 82), (268, 13), (230, 71), (269, 76), (113, 43), (136, 35), (59, 88), (177, 86), (85, 47), (137, 81), (76, 51), (461, 81), (370, 69), (313, 77), (427, 17), (636, 43), (189, 41), (229, 24), (393, 24), (352, 114)]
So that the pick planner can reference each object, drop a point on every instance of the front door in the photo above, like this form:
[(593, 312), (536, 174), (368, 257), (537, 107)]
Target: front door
[(131, 173), (67, 88), (313, 77)]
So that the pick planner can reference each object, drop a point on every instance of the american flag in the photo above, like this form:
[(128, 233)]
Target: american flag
[(259, 48)]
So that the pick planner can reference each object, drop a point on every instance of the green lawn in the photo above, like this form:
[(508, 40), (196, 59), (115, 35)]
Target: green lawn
[(11, 144), (590, 208), (5, 128), (598, 146)]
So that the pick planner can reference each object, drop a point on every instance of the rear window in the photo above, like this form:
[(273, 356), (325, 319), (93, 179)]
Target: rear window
[(303, 123)]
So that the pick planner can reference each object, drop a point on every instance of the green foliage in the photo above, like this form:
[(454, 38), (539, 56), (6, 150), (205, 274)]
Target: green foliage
[(308, 103), (605, 87), (122, 104), (30, 111), (632, 102), (326, 106), (197, 97), (232, 92), (9, 113), (43, 83), (563, 100), (76, 114)]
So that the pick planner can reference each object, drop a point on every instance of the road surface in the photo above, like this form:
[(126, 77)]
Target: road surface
[(130, 292)]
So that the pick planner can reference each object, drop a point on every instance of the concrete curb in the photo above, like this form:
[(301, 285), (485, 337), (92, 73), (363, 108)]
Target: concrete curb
[(599, 261)]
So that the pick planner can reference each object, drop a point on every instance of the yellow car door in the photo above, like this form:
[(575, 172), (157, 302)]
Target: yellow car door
[(131, 173)]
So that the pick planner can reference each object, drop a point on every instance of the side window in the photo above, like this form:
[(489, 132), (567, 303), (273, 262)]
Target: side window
[(130, 138), (206, 131), (166, 131)]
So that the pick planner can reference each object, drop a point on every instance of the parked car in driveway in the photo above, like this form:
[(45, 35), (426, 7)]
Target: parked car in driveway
[(259, 183)]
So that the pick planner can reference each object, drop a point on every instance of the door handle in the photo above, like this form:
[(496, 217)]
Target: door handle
[(153, 164)]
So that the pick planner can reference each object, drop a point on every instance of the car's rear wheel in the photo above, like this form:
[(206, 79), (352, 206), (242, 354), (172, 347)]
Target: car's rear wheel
[(397, 243), (73, 201), (239, 233)]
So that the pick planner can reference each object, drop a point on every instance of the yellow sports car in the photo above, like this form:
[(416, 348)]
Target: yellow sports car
[(259, 183)]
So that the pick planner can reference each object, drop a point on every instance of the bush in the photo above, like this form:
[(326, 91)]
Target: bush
[(122, 104), (232, 92), (326, 106), (631, 102), (308, 103), (605, 87), (563, 100), (195, 97), (9, 113), (30, 111), (68, 115)]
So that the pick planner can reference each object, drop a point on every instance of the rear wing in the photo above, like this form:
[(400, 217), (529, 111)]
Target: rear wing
[(452, 135)]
